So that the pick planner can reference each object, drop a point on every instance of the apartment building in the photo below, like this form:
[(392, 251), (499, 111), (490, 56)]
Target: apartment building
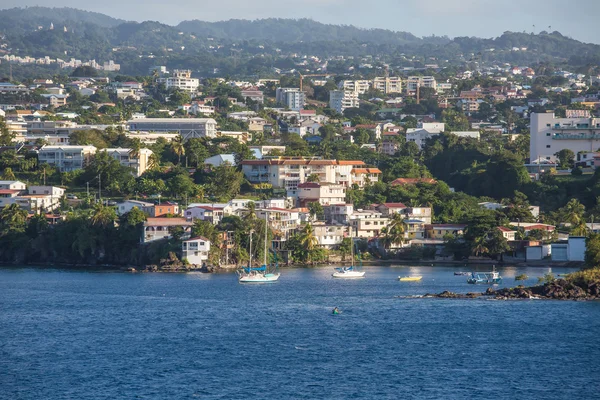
[(330, 236), (289, 172), (367, 223), (579, 132), (66, 158), (339, 100), (388, 84), (358, 86), (126, 157), (182, 80), (323, 193), (282, 220), (338, 213), (413, 82), (242, 137), (186, 127), (291, 98), (160, 228)]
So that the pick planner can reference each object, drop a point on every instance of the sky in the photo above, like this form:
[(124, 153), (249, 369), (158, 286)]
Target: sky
[(481, 18)]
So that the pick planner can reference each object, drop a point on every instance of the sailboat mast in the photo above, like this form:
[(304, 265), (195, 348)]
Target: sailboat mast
[(250, 264), (351, 249), (266, 227)]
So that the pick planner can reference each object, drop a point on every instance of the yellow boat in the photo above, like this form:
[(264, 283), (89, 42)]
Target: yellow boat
[(409, 278)]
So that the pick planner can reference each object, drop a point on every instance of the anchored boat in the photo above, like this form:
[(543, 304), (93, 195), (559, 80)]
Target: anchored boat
[(409, 278), (489, 278), (351, 272), (260, 274)]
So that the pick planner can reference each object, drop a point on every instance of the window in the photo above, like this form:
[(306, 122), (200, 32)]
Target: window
[(548, 134), (548, 125), (547, 146)]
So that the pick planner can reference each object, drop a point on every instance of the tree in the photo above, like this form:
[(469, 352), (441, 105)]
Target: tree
[(196, 151), (224, 182), (6, 136), (479, 247), (178, 147), (497, 244), (103, 216), (8, 175), (345, 247), (592, 251), (308, 238), (395, 232), (455, 120), (313, 178), (316, 211), (12, 219), (566, 158)]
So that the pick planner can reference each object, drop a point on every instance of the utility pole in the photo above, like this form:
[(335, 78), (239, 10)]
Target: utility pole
[(100, 188), (88, 189)]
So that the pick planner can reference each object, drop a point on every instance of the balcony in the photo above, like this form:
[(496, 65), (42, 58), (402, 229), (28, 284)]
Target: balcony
[(576, 136)]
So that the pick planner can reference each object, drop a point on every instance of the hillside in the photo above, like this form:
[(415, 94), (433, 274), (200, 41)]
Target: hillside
[(293, 30)]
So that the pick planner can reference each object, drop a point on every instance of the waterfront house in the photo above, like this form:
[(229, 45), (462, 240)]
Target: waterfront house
[(195, 250), (160, 228)]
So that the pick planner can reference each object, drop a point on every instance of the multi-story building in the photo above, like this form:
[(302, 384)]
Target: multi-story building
[(139, 162), (578, 132), (128, 205), (242, 137), (195, 250), (182, 80), (13, 185), (323, 193), (330, 236), (359, 86), (282, 220), (66, 158), (367, 223), (160, 228), (338, 213), (289, 172), (254, 95), (413, 82), (186, 127), (340, 100), (388, 84), (291, 98)]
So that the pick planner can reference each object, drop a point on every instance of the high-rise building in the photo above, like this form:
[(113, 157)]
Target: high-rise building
[(339, 100), (291, 98)]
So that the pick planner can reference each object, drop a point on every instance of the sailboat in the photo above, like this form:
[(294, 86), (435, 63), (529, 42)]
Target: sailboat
[(350, 272), (260, 274)]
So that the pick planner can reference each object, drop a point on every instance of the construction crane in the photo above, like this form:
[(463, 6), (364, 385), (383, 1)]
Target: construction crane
[(304, 76)]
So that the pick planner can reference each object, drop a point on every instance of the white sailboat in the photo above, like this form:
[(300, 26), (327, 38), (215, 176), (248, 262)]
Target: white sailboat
[(350, 272), (260, 274)]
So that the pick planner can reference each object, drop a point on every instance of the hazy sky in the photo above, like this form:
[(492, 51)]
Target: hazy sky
[(483, 18)]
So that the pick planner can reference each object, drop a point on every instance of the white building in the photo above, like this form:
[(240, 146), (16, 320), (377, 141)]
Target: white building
[(358, 86), (128, 205), (66, 158), (330, 236), (186, 127), (160, 228), (195, 250), (388, 84), (13, 185), (181, 79), (339, 100), (549, 134), (291, 98), (367, 224), (413, 82), (323, 193), (138, 163)]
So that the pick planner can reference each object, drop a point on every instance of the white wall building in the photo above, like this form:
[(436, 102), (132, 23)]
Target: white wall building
[(181, 79), (186, 127), (549, 134), (138, 163), (388, 84), (420, 81), (340, 100), (291, 98), (196, 250), (66, 158)]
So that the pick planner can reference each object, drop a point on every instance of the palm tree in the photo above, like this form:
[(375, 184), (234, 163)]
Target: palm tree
[(178, 147), (103, 216), (573, 212), (479, 246), (395, 232), (12, 218), (251, 214), (153, 161), (580, 229), (308, 238), (313, 178), (8, 174)]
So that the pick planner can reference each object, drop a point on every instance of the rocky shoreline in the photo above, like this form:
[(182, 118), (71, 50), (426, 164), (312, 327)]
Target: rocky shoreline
[(559, 289)]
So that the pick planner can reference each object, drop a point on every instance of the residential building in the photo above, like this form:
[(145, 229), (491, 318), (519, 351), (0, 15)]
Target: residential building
[(186, 127), (254, 95), (195, 250), (242, 137), (163, 209), (261, 151), (367, 223), (214, 215), (53, 191), (282, 220), (128, 205), (388, 84), (182, 80), (256, 124), (330, 236), (508, 234), (339, 213), (358, 86), (56, 100), (66, 158), (579, 132), (8, 196), (389, 209), (419, 213), (291, 98), (413, 82), (339, 100), (160, 228), (323, 193), (439, 231), (220, 159), (13, 185), (138, 163), (289, 172)]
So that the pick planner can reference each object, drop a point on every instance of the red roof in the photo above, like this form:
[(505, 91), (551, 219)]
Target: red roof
[(412, 181), (8, 191), (394, 205), (309, 185), (503, 229), (308, 112)]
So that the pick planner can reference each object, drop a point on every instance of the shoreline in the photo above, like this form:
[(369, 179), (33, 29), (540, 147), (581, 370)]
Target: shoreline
[(209, 270)]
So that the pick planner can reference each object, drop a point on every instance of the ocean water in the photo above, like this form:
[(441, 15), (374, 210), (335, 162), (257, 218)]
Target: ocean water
[(106, 335)]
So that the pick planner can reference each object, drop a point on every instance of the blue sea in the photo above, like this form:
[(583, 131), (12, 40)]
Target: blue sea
[(109, 335)]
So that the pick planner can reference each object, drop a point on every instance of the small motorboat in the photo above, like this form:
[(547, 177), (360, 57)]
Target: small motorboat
[(461, 273), (409, 278)]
